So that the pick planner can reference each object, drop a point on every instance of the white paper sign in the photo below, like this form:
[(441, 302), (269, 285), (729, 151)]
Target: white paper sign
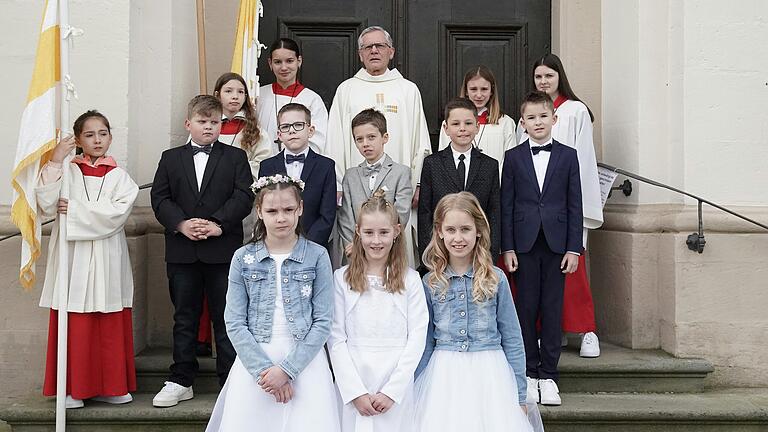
[(607, 177)]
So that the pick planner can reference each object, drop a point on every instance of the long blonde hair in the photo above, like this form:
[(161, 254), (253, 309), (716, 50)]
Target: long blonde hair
[(494, 108), (394, 276), (485, 282)]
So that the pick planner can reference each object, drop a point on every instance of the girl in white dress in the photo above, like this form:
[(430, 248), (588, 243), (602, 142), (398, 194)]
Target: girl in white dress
[(380, 325), (497, 130), (472, 374), (285, 61), (278, 316)]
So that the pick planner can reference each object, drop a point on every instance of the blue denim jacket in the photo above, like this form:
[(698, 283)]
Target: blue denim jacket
[(459, 324), (307, 295)]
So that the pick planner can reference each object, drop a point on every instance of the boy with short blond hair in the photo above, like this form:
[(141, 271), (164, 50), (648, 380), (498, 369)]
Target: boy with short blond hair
[(200, 194)]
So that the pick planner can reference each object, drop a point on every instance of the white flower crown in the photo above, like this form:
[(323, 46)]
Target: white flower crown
[(263, 182)]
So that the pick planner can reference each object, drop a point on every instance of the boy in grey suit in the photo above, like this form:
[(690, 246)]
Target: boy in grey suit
[(378, 171)]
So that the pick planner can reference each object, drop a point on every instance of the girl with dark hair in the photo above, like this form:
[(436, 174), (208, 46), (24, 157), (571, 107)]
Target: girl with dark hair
[(239, 126), (574, 129), (100, 363), (497, 130), (278, 316), (285, 61)]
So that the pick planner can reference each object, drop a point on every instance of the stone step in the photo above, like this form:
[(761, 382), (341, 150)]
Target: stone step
[(743, 410), (616, 370), (620, 369), (734, 410)]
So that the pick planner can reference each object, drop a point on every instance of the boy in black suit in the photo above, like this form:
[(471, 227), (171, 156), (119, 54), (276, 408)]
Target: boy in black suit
[(459, 167), (541, 238), (200, 194), (318, 172)]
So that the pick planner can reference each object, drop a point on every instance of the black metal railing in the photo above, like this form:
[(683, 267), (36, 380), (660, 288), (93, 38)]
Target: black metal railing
[(696, 240), (144, 186)]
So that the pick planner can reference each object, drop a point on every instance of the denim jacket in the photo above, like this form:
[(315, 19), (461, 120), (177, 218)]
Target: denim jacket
[(459, 324), (307, 295)]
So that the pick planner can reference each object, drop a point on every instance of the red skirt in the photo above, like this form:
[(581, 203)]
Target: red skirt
[(99, 356), (204, 329), (578, 307)]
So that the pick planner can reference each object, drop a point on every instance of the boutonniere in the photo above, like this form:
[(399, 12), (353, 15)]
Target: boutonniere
[(249, 259), (306, 291)]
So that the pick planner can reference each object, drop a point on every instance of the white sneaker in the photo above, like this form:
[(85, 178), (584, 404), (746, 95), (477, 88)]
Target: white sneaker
[(563, 341), (115, 400), (590, 345), (550, 394), (533, 391), (172, 394), (72, 403)]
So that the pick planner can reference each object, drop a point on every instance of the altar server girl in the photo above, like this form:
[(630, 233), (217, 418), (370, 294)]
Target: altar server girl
[(472, 374), (100, 364), (379, 326), (574, 129), (497, 130), (278, 316), (285, 61), (239, 126)]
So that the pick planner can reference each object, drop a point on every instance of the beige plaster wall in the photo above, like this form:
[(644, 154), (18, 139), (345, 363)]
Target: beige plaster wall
[(576, 39), (651, 291)]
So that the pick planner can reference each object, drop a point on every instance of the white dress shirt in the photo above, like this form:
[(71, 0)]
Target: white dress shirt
[(295, 169), (540, 162), (201, 160), (467, 156), (372, 178)]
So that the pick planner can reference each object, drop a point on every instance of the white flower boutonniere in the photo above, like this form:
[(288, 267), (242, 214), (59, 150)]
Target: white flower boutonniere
[(249, 259), (306, 291)]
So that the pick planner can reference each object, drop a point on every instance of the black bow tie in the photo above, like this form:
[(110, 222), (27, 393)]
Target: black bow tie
[(536, 149), (205, 149), (372, 169), (289, 158)]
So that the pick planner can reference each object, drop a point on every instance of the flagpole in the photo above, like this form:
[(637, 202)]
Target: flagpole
[(62, 276), (202, 67)]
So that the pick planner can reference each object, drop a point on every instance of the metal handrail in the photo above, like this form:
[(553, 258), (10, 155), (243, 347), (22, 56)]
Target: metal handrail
[(144, 186), (696, 240)]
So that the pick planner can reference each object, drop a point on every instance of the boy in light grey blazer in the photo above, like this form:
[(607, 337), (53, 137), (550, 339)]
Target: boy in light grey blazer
[(378, 171)]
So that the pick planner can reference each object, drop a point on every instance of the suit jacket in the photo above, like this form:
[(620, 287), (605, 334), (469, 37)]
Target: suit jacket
[(438, 179), (556, 208), (319, 176), (224, 197), (394, 178)]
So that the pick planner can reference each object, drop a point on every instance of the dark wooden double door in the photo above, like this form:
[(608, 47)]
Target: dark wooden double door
[(436, 42)]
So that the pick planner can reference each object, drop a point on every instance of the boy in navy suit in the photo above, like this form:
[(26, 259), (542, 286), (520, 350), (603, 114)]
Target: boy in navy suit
[(200, 194), (541, 238), (294, 129)]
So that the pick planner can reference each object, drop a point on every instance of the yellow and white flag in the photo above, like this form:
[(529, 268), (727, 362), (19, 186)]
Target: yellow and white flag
[(37, 138), (245, 59)]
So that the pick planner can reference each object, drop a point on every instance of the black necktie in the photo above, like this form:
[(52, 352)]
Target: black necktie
[(289, 158), (372, 169), (461, 169), (205, 149), (536, 149)]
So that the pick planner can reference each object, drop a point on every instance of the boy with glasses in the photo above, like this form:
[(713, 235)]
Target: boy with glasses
[(294, 129)]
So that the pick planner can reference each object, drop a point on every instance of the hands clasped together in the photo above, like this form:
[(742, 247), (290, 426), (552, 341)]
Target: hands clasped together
[(276, 382), (199, 229), (371, 405)]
